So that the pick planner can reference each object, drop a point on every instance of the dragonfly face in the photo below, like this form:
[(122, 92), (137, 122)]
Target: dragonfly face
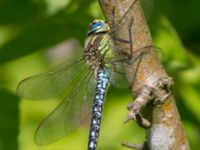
[(97, 46), (98, 26)]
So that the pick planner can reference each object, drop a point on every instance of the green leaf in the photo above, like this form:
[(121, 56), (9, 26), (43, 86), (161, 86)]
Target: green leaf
[(9, 118), (189, 86)]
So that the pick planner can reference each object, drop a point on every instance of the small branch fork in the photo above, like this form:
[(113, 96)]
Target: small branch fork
[(157, 93), (154, 107)]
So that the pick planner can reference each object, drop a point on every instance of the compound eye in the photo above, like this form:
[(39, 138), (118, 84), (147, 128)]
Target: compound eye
[(99, 23)]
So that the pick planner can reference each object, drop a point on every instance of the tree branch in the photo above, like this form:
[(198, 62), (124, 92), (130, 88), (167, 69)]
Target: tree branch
[(149, 82)]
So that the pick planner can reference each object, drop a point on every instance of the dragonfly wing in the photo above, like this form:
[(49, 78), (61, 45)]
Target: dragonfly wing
[(117, 71), (52, 83), (143, 55), (147, 7), (69, 114), (117, 75)]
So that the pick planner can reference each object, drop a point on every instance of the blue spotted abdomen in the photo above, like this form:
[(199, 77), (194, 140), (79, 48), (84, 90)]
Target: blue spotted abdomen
[(101, 87)]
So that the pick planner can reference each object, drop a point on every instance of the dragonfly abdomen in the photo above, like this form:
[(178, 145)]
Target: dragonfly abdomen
[(101, 87)]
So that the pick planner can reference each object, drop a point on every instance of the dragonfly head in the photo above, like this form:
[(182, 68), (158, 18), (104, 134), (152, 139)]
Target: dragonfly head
[(98, 26)]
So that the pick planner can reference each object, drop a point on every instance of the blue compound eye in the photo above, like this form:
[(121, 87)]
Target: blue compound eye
[(96, 25)]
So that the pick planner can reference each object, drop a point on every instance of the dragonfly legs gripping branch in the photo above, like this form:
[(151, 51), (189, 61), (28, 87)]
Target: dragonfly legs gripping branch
[(158, 92), (120, 40)]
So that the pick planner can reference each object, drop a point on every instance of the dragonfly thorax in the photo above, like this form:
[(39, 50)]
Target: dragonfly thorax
[(97, 44), (93, 55), (96, 50)]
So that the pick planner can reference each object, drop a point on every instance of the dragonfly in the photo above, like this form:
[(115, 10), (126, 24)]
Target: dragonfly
[(79, 81), (82, 83)]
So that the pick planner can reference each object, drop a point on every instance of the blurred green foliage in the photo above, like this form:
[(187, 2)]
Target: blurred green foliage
[(28, 28)]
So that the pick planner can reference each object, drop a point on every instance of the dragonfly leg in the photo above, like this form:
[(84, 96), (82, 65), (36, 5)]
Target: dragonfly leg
[(129, 41), (130, 36), (123, 16), (114, 27)]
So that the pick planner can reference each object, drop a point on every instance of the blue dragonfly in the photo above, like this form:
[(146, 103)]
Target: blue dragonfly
[(78, 82)]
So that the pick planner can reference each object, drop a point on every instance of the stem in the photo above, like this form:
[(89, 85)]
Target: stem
[(166, 131)]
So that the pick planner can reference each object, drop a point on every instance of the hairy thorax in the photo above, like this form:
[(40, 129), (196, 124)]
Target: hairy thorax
[(97, 49)]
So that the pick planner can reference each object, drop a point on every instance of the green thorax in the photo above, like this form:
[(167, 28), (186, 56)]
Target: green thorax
[(98, 50)]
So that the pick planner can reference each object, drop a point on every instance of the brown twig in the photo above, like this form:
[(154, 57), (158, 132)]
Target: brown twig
[(150, 84)]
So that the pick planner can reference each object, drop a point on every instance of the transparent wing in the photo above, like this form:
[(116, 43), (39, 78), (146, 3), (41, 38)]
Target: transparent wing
[(52, 83), (147, 6), (117, 74), (116, 68), (69, 114), (143, 55)]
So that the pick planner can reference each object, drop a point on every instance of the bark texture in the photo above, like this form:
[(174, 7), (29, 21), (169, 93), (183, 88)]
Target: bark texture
[(166, 130)]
